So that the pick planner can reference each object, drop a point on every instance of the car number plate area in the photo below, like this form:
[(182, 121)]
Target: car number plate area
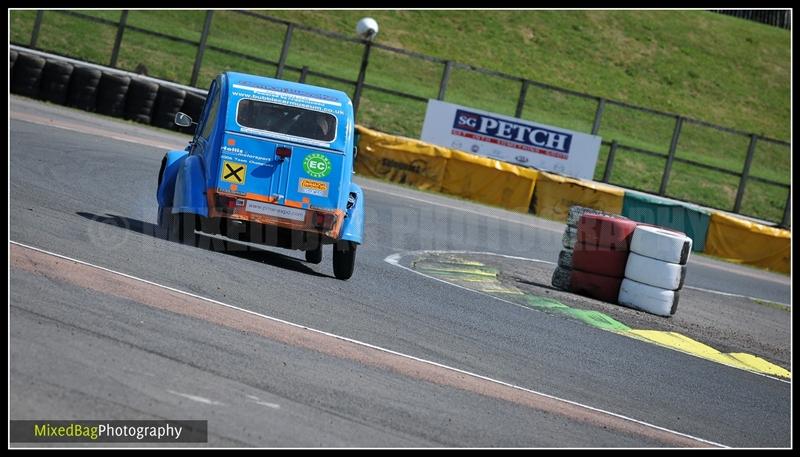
[(268, 209)]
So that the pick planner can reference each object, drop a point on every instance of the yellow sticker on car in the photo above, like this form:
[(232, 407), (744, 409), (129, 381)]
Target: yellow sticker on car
[(312, 187), (234, 172)]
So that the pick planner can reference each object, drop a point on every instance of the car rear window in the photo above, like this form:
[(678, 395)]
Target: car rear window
[(288, 120)]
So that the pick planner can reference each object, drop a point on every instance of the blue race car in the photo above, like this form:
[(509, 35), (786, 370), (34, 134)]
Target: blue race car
[(271, 162)]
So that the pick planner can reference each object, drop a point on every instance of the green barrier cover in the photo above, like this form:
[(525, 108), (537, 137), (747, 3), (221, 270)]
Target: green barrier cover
[(689, 219)]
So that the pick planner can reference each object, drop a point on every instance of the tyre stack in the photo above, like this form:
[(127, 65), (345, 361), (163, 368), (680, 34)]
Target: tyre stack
[(600, 256), (55, 81), (26, 76), (655, 270), (563, 273)]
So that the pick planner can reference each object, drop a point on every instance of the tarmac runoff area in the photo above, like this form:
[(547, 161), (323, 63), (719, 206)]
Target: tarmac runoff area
[(737, 331)]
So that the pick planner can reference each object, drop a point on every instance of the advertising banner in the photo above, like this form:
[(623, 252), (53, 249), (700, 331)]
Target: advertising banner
[(511, 140)]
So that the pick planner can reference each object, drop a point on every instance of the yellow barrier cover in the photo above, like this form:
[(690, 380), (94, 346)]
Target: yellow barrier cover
[(741, 241), (555, 194), (401, 160), (489, 181)]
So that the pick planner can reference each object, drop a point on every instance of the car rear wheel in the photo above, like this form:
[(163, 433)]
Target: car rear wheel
[(182, 227), (344, 259), (314, 255)]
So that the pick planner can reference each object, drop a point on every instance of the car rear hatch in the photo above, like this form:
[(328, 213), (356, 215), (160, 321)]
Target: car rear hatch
[(279, 180)]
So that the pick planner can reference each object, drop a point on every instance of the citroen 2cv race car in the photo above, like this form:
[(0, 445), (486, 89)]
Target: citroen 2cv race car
[(271, 162)]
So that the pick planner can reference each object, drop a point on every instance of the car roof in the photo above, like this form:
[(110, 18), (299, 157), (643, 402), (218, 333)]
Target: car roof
[(286, 87)]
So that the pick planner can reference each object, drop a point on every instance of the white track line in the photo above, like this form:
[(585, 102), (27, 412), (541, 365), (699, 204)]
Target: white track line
[(374, 347), (394, 259)]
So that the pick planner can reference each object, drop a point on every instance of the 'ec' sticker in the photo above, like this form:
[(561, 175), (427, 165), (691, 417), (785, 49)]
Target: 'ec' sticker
[(317, 165), (233, 172)]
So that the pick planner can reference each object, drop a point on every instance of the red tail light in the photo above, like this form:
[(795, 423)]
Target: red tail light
[(324, 221), (283, 152)]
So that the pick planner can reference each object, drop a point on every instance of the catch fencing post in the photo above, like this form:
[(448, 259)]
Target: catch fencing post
[(448, 65), (201, 48), (37, 24), (523, 92), (673, 146), (751, 149), (598, 115), (123, 19), (610, 161), (362, 73), (287, 40)]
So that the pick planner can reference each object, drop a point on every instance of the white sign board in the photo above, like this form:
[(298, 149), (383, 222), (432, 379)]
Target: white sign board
[(510, 139)]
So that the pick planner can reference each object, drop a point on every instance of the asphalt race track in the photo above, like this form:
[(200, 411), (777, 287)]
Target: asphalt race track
[(273, 351)]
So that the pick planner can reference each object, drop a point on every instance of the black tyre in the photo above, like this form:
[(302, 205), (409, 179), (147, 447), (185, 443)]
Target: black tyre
[(111, 92), (344, 259), (27, 75), (163, 221), (182, 227), (12, 57), (168, 102), (565, 258), (314, 255), (55, 81), (193, 106), (562, 278), (140, 100), (82, 92)]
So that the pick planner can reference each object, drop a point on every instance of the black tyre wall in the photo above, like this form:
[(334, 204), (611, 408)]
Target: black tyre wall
[(168, 102), (27, 75), (140, 100), (55, 81), (111, 94), (193, 106), (83, 88)]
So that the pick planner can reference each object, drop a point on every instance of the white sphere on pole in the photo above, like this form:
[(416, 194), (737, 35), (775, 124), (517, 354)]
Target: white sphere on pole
[(367, 28)]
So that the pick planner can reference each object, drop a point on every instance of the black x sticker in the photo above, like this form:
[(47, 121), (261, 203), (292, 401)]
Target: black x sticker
[(234, 172)]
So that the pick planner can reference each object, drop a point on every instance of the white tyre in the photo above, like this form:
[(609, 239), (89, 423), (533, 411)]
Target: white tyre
[(570, 237), (653, 300), (661, 244), (561, 278), (655, 272), (565, 258)]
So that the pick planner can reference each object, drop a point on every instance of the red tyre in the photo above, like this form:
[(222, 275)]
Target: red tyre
[(600, 260), (606, 232), (605, 288)]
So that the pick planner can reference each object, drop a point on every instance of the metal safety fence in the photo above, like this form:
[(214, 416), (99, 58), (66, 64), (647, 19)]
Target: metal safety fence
[(764, 162)]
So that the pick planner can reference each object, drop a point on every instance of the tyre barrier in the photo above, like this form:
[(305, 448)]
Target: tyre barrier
[(140, 100), (603, 261), (654, 272), (111, 92), (665, 245), (575, 213), (605, 231), (82, 92), (27, 75), (565, 258), (561, 278), (605, 288), (654, 300), (12, 57), (169, 101), (193, 106), (55, 81), (569, 238)]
